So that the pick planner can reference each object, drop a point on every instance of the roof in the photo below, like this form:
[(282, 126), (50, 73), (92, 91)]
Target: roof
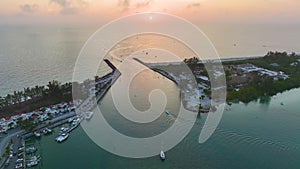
[(34, 116)]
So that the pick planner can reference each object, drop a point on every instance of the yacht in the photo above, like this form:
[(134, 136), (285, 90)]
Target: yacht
[(32, 164), (70, 120), (62, 137), (37, 134), (162, 155), (34, 158), (33, 161), (45, 131), (88, 115), (48, 130), (64, 129), (30, 150), (76, 122)]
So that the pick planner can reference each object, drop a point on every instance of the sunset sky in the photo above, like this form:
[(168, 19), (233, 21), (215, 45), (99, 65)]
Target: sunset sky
[(233, 11)]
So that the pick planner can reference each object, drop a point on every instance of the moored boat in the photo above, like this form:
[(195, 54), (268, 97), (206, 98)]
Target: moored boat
[(49, 130), (64, 129), (37, 134), (33, 161), (31, 149), (32, 164), (62, 137), (76, 122), (70, 119), (88, 115), (162, 155)]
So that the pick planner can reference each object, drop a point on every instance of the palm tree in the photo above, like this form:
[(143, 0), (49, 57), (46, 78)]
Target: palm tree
[(14, 97), (2, 102), (54, 88), (8, 99), (19, 96), (26, 93), (39, 90)]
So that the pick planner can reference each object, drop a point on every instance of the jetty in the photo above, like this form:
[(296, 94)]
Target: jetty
[(104, 83), (162, 72)]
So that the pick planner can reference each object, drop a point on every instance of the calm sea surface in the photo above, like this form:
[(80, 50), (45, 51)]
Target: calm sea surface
[(256, 135), (31, 55)]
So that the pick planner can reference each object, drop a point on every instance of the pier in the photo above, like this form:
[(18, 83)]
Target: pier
[(162, 72), (104, 83)]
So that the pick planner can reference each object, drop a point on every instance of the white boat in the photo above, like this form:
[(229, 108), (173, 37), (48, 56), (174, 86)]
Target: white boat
[(70, 120), (75, 125), (62, 137), (30, 150), (33, 161), (37, 134), (76, 122), (45, 131), (34, 158), (64, 129), (32, 164), (48, 130), (162, 155), (88, 115)]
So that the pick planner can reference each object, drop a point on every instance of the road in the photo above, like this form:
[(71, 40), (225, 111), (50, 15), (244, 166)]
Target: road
[(12, 135)]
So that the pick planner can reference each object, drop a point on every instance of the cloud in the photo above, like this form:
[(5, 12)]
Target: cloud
[(143, 4), (124, 5), (29, 8), (194, 5), (69, 11), (62, 3), (70, 7)]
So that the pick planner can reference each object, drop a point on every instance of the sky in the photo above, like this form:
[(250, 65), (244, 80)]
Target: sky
[(96, 11)]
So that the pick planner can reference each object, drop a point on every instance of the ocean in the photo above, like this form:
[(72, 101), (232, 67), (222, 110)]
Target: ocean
[(254, 135), (35, 54)]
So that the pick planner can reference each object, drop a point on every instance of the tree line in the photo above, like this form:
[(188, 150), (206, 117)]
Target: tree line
[(53, 90)]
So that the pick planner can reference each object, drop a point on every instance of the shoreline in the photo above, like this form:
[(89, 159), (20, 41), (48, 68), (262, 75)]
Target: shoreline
[(225, 59), (152, 65), (108, 80)]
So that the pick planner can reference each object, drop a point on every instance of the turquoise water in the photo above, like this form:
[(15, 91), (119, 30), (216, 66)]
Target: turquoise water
[(250, 136), (256, 135)]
